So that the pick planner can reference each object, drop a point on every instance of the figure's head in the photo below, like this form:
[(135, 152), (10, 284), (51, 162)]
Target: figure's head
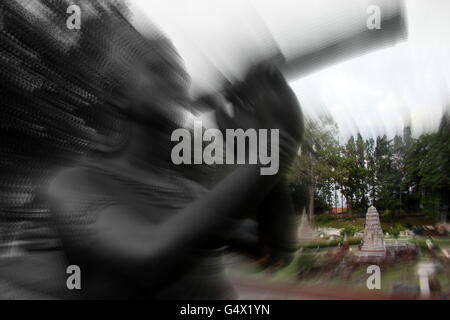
[(139, 81), (160, 83)]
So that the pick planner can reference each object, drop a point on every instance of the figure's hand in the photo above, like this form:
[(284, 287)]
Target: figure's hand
[(264, 100)]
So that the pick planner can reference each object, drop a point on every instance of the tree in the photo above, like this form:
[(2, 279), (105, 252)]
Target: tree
[(351, 173), (427, 170), (370, 158), (403, 174), (312, 170)]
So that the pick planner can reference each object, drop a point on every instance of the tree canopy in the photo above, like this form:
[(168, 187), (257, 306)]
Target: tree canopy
[(402, 175)]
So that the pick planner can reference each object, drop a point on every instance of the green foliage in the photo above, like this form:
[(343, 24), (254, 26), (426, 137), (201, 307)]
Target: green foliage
[(341, 223), (320, 205), (395, 230), (322, 219), (311, 172), (400, 176), (420, 243), (387, 215), (350, 230), (330, 243), (354, 241)]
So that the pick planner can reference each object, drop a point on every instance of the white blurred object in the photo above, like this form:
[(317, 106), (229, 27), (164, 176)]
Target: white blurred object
[(364, 89), (424, 271), (220, 38)]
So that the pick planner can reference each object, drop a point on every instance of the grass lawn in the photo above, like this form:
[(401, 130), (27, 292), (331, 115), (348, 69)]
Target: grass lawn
[(310, 260), (442, 242)]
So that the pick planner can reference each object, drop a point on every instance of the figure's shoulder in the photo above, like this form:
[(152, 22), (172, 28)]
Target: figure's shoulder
[(73, 181), (194, 188)]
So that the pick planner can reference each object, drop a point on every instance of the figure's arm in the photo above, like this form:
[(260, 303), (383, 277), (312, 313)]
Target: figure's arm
[(131, 246), (272, 234), (277, 227), (245, 239)]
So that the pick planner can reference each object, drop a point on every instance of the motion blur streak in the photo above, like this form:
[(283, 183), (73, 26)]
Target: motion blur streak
[(64, 95)]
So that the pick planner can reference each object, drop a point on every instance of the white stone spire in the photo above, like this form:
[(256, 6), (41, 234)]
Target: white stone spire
[(373, 239), (305, 231)]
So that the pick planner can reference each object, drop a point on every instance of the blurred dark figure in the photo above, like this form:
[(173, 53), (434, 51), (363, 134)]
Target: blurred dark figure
[(137, 225)]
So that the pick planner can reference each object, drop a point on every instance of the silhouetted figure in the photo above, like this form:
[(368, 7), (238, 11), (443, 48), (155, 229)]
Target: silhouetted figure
[(137, 225)]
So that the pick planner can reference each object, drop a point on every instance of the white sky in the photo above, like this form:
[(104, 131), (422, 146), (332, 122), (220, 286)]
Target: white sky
[(376, 93)]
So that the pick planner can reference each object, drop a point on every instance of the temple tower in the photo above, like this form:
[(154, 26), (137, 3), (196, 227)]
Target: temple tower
[(305, 231), (373, 239)]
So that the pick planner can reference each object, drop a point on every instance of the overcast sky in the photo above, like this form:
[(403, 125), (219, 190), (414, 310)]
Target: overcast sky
[(374, 94)]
